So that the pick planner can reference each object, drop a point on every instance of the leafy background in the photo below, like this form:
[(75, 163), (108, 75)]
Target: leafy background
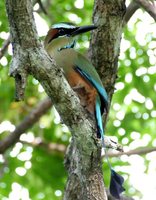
[(28, 172)]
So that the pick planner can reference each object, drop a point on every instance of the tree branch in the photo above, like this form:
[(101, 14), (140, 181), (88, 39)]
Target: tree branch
[(148, 6), (29, 121), (41, 6), (139, 151), (49, 147), (131, 9), (4, 47)]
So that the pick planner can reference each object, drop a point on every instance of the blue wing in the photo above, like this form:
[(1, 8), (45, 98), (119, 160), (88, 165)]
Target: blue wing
[(98, 107), (102, 92)]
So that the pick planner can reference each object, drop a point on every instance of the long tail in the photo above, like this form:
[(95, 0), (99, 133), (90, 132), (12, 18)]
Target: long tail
[(117, 180)]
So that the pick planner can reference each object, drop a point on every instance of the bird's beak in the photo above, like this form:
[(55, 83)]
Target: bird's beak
[(82, 29)]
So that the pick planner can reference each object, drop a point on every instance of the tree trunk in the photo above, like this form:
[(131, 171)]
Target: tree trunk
[(104, 51), (105, 43), (83, 158)]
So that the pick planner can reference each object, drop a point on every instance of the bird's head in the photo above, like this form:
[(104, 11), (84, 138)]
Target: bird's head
[(62, 34)]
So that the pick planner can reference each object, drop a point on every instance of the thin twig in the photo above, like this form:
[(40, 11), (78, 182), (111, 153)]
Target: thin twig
[(49, 147), (140, 151), (42, 7), (4, 47), (131, 9), (149, 6)]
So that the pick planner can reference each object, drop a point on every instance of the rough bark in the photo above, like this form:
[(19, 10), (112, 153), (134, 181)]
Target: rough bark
[(105, 42), (83, 159)]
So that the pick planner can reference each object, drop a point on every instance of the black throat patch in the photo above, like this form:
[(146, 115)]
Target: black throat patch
[(69, 46)]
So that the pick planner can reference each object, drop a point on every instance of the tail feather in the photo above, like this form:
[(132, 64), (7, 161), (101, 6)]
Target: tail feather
[(117, 180), (100, 130), (116, 183)]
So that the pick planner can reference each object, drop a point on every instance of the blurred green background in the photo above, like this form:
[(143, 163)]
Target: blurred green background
[(28, 172)]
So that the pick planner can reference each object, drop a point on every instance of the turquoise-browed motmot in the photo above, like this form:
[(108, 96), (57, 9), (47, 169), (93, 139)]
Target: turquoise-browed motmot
[(83, 78)]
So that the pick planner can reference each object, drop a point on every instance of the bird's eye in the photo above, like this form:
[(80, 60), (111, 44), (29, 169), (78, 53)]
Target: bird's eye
[(61, 32)]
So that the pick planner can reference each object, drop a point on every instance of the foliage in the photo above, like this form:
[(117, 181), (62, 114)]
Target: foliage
[(32, 172)]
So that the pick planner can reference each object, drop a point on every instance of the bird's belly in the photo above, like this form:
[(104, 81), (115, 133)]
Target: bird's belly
[(86, 92)]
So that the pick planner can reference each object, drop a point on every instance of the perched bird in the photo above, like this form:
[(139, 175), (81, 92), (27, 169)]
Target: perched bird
[(79, 72), (82, 77)]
